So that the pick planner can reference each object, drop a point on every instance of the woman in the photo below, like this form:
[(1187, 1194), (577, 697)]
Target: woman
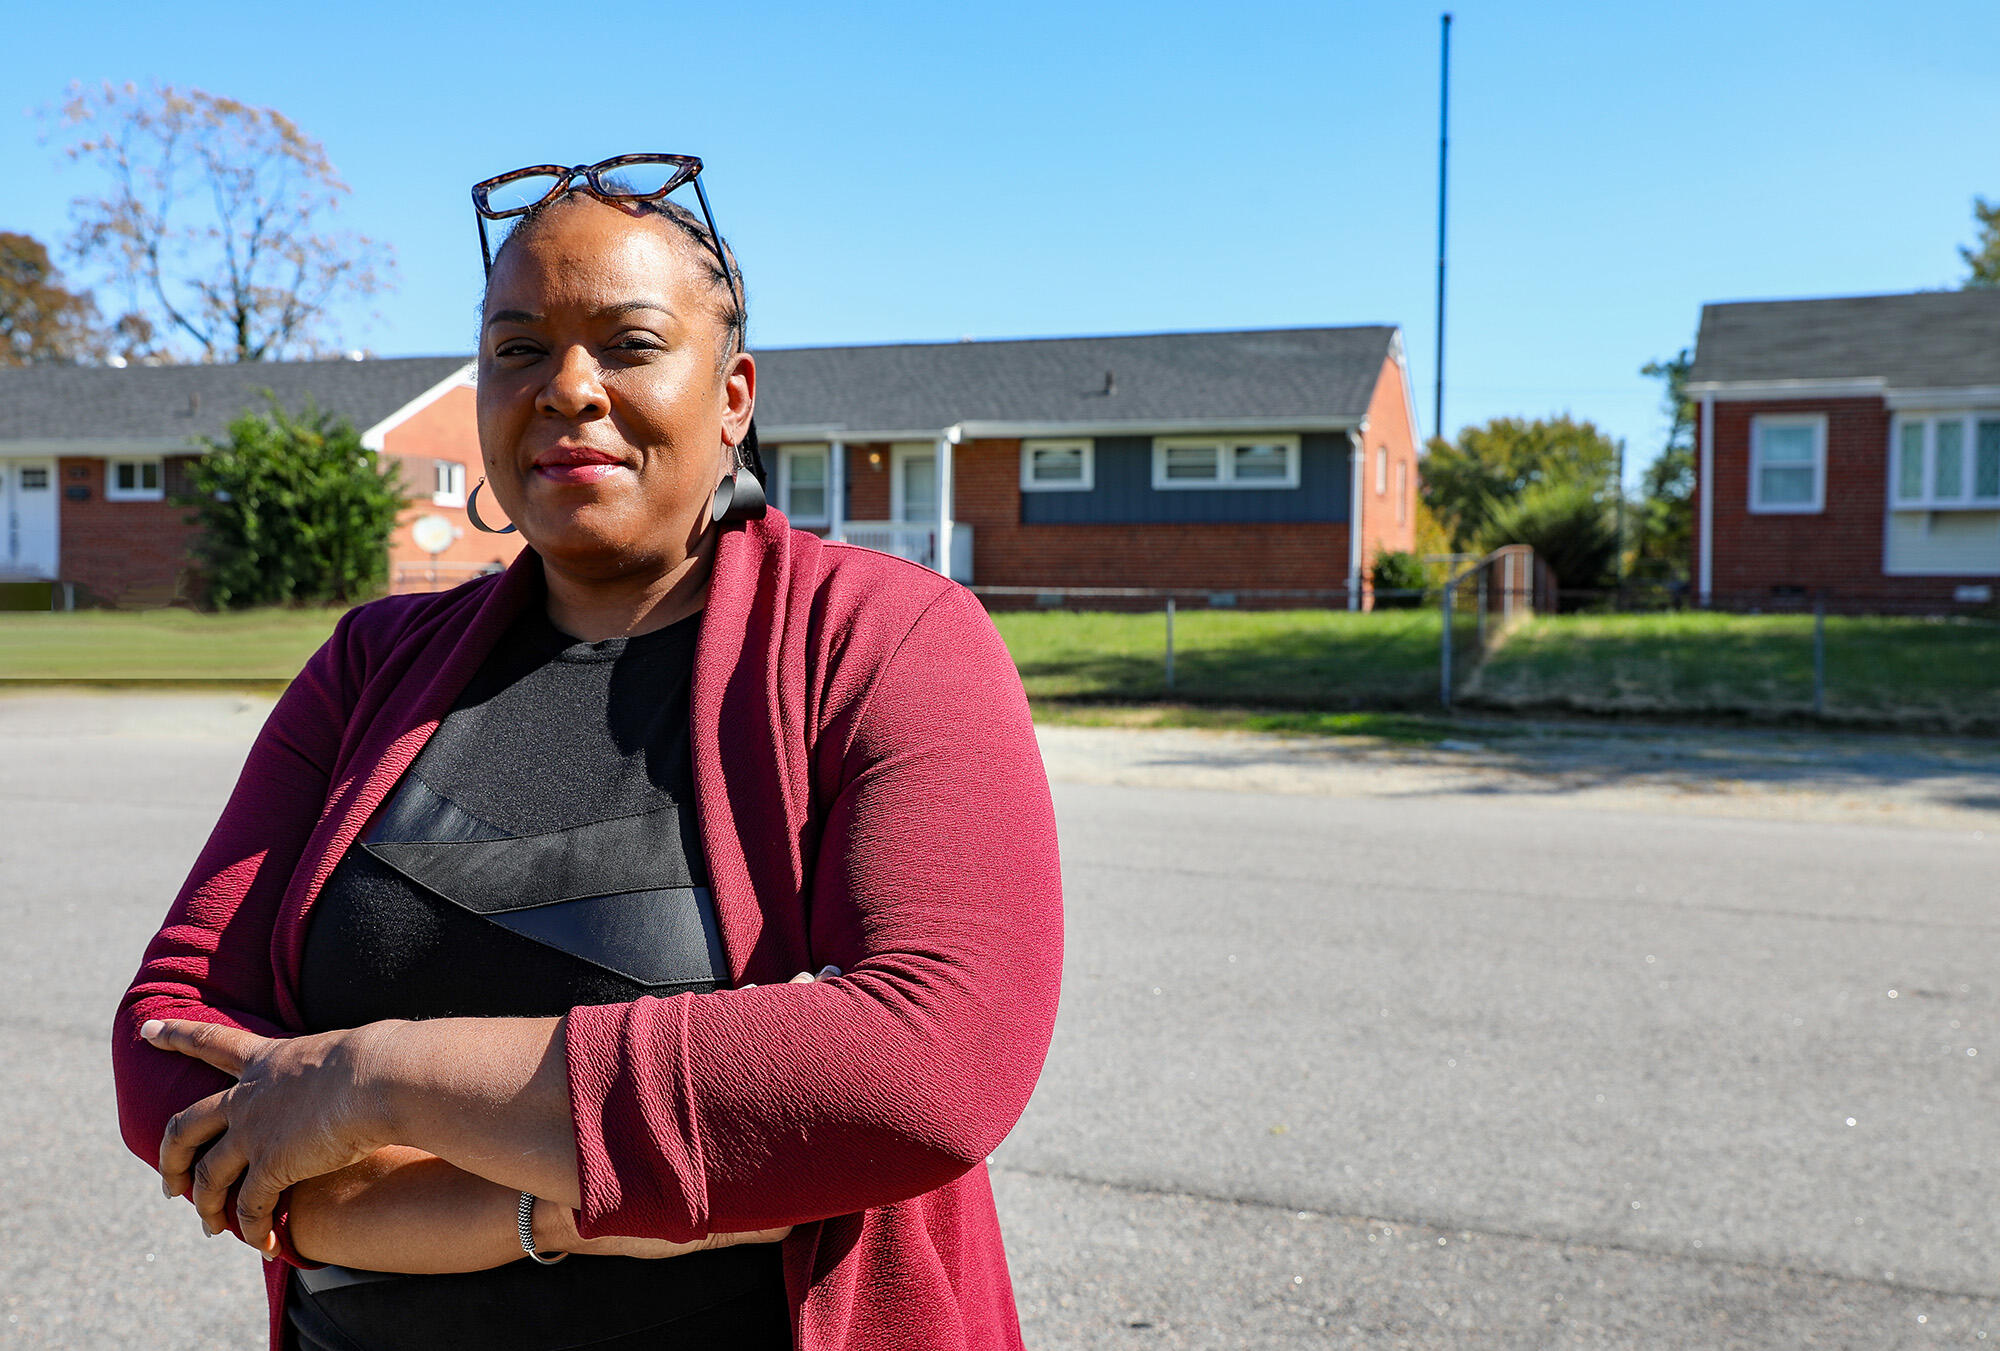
[(498, 923)]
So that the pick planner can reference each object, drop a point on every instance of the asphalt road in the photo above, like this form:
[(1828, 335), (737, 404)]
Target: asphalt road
[(1429, 1068)]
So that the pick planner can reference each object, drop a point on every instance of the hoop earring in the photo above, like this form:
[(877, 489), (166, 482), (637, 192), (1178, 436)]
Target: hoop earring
[(472, 510)]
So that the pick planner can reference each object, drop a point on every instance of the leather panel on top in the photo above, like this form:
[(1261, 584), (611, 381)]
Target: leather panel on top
[(600, 858)]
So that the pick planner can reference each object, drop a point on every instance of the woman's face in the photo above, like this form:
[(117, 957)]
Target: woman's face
[(605, 402)]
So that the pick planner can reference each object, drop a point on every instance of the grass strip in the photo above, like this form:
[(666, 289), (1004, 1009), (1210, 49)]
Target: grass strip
[(160, 645), (1318, 660), (1878, 671)]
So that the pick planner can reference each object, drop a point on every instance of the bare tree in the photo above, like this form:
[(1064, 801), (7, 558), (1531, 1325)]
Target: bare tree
[(213, 220)]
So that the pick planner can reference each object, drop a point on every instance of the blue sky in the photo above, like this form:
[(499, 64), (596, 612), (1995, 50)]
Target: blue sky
[(893, 171)]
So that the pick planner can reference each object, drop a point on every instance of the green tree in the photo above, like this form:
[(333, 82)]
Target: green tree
[(292, 510), (1467, 483), (40, 319), (213, 221), (1571, 525), (1983, 258), (1665, 531)]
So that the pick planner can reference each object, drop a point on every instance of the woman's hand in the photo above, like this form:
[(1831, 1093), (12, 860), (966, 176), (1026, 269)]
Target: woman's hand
[(301, 1107), (305, 1107)]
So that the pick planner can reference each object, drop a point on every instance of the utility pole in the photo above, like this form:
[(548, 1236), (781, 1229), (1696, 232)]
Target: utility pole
[(1444, 142)]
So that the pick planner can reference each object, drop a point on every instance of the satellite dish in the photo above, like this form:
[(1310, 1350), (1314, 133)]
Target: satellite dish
[(433, 534)]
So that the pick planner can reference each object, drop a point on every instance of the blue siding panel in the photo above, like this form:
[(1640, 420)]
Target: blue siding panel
[(1123, 491)]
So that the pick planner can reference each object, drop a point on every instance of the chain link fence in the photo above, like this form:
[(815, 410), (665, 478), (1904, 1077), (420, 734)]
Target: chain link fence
[(1481, 605), (406, 577), (1499, 636), (1844, 658), (1286, 648)]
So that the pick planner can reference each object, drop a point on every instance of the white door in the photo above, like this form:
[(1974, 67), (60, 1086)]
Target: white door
[(913, 495), (28, 516)]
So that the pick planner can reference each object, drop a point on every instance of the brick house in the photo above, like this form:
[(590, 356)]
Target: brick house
[(1207, 461), (91, 458), (1212, 461), (1849, 447)]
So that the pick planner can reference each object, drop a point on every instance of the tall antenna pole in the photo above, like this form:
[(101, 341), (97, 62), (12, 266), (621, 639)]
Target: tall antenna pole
[(1444, 142)]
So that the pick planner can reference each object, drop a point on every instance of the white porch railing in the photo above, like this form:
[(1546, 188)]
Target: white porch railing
[(918, 543)]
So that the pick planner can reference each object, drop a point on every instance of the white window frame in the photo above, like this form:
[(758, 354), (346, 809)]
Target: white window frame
[(451, 475), (1928, 500), (113, 493), (1381, 470), (1029, 484), (1225, 462), (801, 450), (1776, 421)]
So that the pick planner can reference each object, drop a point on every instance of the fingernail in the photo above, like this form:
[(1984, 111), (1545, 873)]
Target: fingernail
[(207, 1230), (828, 971), (151, 1028)]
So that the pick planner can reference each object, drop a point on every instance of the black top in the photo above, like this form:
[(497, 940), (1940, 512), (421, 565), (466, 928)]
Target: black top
[(540, 854)]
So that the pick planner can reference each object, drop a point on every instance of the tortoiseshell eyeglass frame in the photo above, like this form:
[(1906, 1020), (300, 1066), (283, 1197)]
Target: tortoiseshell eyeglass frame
[(687, 169)]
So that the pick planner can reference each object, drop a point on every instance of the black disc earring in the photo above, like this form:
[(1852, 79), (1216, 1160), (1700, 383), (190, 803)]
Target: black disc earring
[(472, 510), (739, 497)]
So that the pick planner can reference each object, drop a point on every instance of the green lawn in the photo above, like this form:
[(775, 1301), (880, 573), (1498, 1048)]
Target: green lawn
[(166, 645), (1290, 659), (1935, 672), (1302, 670), (1300, 659)]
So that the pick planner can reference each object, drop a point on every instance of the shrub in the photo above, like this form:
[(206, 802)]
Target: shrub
[(292, 510), (1398, 570), (1570, 527)]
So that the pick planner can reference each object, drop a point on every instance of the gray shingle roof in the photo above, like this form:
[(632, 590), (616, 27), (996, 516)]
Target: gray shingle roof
[(1314, 374), (1308, 373), (1928, 340), (172, 402)]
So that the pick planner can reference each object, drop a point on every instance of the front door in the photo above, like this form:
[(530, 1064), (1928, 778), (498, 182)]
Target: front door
[(28, 518), (914, 500)]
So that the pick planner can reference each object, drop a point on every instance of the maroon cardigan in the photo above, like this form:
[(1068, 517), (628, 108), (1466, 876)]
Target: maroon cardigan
[(870, 795)]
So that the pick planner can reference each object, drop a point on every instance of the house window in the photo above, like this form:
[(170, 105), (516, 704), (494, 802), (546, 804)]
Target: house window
[(1226, 462), (1261, 463), (135, 481), (34, 477), (448, 489), (1381, 470), (802, 483), (1947, 461), (1402, 492), (1788, 464), (1057, 467)]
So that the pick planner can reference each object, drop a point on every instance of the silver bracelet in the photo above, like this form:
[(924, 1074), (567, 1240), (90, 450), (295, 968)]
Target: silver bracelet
[(527, 1218)]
